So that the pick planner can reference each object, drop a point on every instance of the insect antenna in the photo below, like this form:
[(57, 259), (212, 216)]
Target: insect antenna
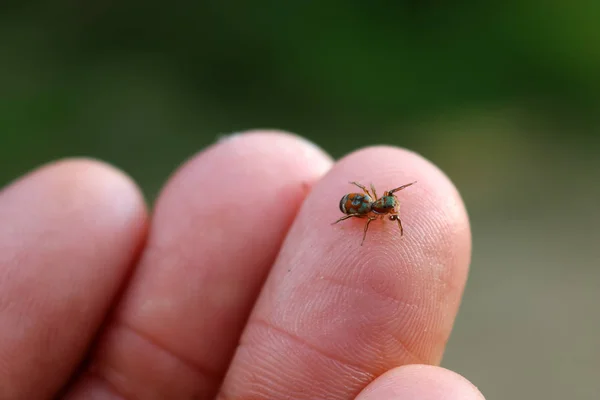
[(401, 187)]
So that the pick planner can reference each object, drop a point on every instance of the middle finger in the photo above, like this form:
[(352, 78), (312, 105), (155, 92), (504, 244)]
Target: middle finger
[(216, 229)]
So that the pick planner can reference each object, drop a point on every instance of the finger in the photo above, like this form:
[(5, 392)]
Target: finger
[(217, 228), (420, 382), (68, 234), (333, 314)]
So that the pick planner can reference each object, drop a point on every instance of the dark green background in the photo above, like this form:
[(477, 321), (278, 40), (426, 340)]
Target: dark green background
[(503, 96)]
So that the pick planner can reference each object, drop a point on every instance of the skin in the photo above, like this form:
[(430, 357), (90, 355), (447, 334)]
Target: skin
[(100, 300)]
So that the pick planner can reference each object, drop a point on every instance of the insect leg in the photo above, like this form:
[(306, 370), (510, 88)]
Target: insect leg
[(401, 187), (400, 225), (366, 228), (374, 192), (348, 216), (364, 189)]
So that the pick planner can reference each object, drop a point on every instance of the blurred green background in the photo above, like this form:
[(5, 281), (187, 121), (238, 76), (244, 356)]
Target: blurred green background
[(504, 96)]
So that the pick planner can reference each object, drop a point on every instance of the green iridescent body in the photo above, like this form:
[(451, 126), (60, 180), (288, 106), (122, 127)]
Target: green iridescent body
[(385, 204), (368, 206)]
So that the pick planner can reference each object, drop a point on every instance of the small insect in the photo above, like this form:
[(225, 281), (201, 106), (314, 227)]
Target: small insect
[(367, 205)]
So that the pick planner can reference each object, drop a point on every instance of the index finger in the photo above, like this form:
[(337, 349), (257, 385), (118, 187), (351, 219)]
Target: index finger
[(334, 315)]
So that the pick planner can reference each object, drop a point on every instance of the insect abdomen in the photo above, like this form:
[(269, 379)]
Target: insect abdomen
[(355, 203)]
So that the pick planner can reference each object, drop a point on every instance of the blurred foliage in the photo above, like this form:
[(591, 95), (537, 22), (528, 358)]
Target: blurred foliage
[(146, 84)]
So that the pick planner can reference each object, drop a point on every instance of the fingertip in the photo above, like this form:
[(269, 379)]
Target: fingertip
[(390, 166), (243, 170), (435, 219), (422, 382), (335, 306), (289, 144), (80, 184), (258, 157), (437, 233), (104, 180)]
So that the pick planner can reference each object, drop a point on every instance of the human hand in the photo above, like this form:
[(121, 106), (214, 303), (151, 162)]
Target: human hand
[(238, 287)]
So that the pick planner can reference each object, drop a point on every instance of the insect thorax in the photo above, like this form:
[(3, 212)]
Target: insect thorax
[(385, 204)]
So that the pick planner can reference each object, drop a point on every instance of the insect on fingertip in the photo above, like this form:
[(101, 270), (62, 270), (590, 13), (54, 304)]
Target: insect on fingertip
[(366, 204)]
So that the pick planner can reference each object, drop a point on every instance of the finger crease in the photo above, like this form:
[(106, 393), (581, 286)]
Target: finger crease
[(297, 339), (210, 374), (104, 379), (382, 295)]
